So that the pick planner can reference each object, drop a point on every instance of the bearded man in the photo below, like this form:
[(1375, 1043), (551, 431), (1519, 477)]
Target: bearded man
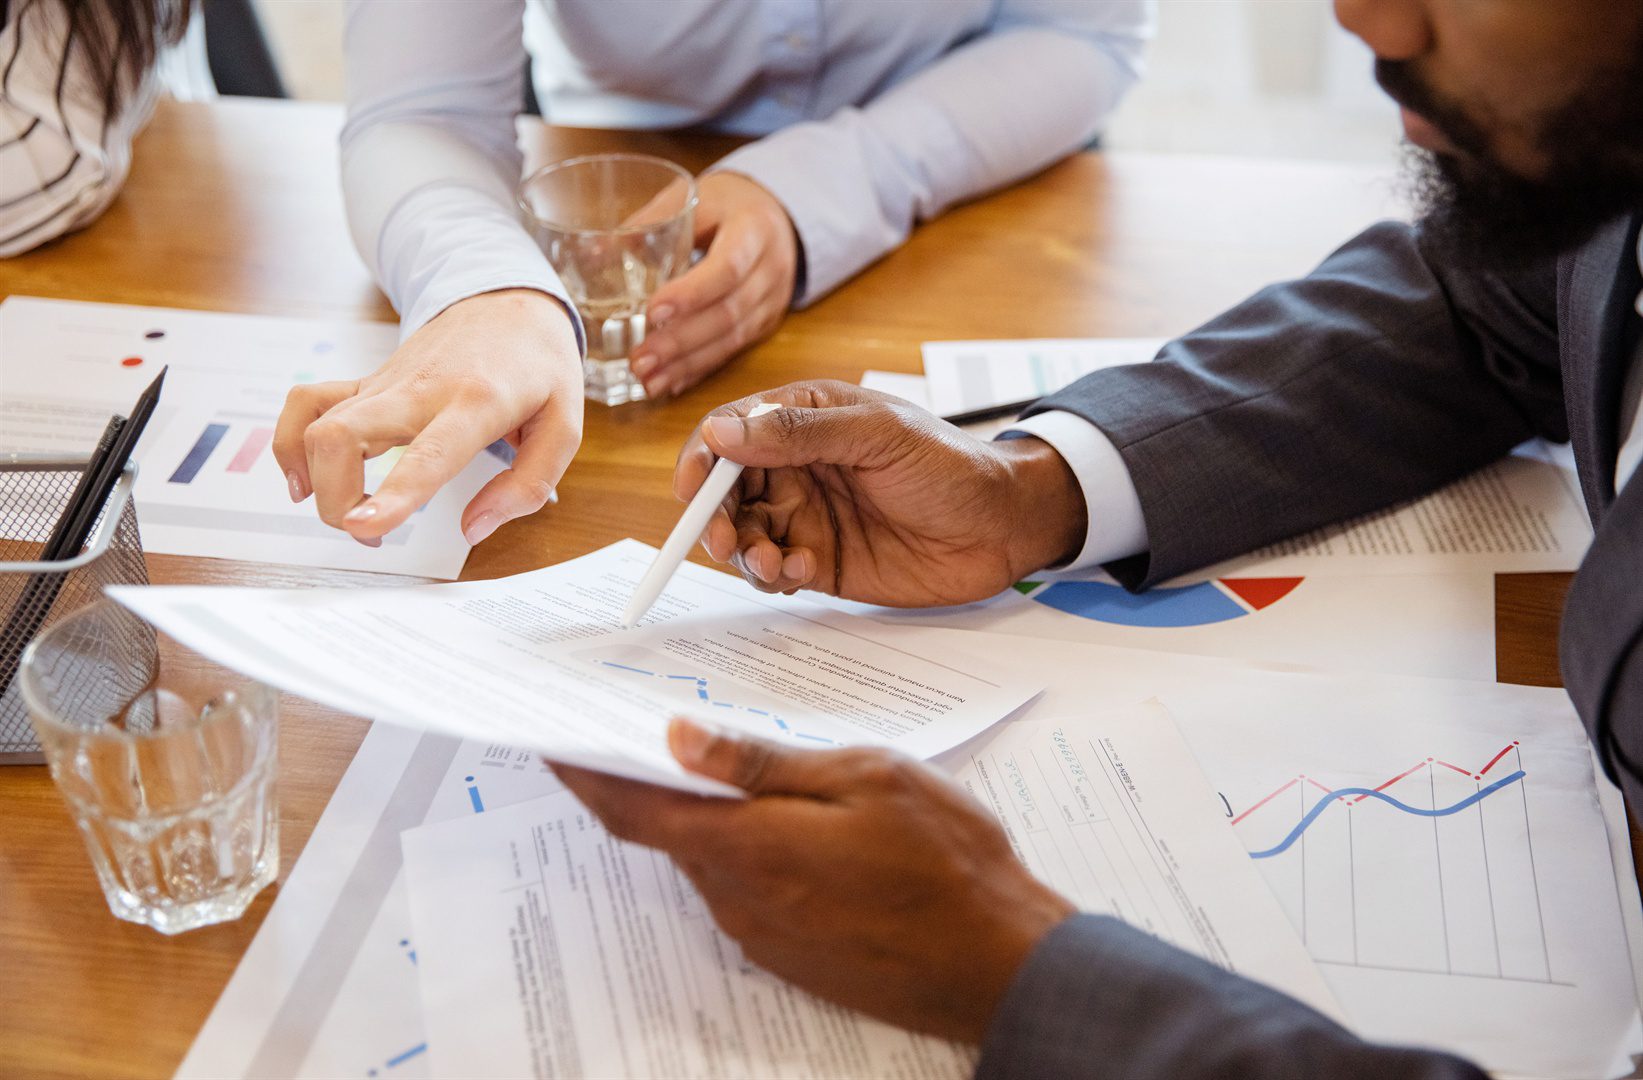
[(1413, 355)]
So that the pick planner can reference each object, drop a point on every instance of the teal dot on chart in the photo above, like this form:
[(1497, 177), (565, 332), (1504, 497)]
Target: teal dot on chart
[(303, 377)]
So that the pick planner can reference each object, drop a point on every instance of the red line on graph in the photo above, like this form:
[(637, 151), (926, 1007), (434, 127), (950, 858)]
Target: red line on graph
[(1496, 759), (1266, 800), (1392, 781), (1413, 768), (254, 444)]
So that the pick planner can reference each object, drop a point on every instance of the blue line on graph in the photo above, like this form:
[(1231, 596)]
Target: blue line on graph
[(1368, 793), (473, 795), (703, 695), (401, 1058), (195, 459)]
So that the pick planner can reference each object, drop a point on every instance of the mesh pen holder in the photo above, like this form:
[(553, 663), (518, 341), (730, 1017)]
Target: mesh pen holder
[(34, 491)]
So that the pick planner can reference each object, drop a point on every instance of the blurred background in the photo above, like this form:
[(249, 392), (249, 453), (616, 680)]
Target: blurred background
[(1267, 78)]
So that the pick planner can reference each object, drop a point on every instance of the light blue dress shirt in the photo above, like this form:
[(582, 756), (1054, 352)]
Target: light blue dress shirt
[(874, 114)]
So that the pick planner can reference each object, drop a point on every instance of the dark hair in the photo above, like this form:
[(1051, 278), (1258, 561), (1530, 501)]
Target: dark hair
[(117, 39)]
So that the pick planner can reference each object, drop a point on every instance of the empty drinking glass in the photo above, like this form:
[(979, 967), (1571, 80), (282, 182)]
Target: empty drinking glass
[(615, 227), (167, 768)]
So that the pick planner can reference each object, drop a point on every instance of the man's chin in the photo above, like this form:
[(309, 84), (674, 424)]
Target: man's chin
[(1486, 218)]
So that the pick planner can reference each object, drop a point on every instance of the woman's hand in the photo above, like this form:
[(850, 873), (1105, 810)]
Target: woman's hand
[(734, 297), (498, 365)]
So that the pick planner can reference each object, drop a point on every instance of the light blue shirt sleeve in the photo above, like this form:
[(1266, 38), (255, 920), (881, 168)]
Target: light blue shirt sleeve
[(941, 102), (1038, 85), (1116, 528), (430, 155)]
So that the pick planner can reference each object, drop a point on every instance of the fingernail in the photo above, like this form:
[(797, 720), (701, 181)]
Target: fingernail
[(762, 567), (365, 511), (642, 364), (793, 566), (481, 527), (374, 542), (660, 314), (689, 740), (726, 430), (299, 491)]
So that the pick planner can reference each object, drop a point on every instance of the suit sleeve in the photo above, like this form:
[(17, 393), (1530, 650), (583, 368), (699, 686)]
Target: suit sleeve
[(1382, 375), (1100, 998)]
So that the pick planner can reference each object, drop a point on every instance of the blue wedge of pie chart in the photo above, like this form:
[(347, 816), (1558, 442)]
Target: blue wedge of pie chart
[(1201, 604)]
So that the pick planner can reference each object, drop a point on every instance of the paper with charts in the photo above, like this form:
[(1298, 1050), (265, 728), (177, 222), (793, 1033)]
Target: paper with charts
[(1442, 625), (208, 484), (534, 661), (548, 948), (1524, 514), (1470, 903)]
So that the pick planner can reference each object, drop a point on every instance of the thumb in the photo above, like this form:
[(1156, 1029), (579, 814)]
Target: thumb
[(541, 460), (790, 437), (757, 766)]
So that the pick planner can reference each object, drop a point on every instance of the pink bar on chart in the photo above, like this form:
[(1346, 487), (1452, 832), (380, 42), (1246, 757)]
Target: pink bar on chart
[(254, 444)]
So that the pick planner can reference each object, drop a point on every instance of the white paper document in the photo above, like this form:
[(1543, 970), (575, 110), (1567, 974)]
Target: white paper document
[(548, 948), (328, 987), (1440, 626), (1438, 844), (1523, 514), (965, 375), (535, 660), (208, 483)]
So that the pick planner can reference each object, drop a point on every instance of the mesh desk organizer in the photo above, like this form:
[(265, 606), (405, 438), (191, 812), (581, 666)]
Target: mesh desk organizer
[(34, 489)]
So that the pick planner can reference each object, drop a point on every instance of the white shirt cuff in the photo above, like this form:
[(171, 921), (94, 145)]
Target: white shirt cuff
[(1117, 528)]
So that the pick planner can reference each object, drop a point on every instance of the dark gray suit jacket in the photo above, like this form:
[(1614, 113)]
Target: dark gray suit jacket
[(1381, 376)]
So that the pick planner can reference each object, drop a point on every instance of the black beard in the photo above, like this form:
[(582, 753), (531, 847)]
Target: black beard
[(1486, 217), (1478, 212)]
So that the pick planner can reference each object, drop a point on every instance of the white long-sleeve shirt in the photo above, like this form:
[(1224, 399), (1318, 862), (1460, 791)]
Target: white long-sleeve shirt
[(875, 114)]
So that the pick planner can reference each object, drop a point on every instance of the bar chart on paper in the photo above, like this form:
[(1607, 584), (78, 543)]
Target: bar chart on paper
[(208, 482), (1430, 870)]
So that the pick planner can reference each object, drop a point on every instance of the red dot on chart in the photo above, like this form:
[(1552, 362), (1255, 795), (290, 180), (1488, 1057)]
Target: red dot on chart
[(132, 361)]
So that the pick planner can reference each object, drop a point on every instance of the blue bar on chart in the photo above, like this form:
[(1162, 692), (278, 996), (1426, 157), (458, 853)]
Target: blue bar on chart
[(196, 458)]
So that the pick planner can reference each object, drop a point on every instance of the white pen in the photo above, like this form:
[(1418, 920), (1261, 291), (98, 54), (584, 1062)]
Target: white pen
[(692, 523)]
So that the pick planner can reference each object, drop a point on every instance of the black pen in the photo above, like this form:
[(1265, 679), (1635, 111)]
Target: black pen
[(74, 525), (990, 412)]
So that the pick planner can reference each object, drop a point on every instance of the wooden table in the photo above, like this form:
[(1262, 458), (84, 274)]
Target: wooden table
[(234, 207)]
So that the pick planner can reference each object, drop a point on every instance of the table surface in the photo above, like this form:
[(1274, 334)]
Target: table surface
[(235, 207)]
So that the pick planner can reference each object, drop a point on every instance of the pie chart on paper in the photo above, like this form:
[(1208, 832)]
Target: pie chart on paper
[(1201, 604)]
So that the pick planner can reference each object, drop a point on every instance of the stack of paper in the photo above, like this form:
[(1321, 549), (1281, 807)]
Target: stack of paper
[(1381, 832)]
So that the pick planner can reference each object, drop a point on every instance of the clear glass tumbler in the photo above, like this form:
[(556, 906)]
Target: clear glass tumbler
[(615, 227), (167, 769)]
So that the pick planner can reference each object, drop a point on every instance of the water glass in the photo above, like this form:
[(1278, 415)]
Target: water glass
[(615, 227), (167, 769)]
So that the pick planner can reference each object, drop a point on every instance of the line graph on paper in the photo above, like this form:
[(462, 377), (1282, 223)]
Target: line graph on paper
[(705, 695), (1431, 869)]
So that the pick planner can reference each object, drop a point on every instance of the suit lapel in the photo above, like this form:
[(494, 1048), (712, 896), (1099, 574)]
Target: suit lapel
[(1597, 288)]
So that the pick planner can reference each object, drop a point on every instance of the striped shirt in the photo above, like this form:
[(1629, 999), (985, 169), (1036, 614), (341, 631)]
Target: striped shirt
[(62, 160)]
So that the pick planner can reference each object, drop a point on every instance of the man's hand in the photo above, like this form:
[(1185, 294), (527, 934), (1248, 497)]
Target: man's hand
[(734, 297), (862, 495), (860, 875), (501, 364)]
